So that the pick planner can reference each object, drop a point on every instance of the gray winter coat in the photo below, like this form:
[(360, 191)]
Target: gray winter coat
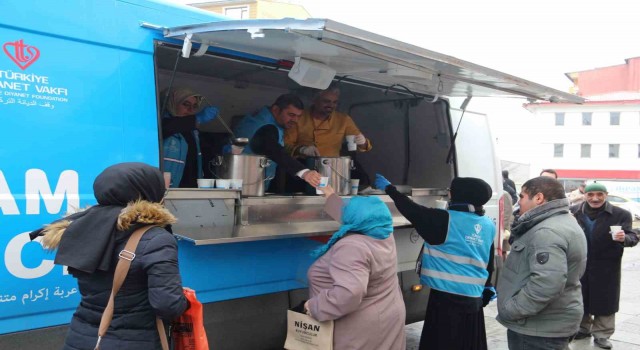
[(539, 292)]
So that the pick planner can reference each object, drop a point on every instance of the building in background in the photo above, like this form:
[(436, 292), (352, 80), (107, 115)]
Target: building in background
[(246, 9), (598, 140)]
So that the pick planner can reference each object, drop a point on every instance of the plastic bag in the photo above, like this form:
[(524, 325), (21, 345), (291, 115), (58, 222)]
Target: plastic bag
[(187, 331)]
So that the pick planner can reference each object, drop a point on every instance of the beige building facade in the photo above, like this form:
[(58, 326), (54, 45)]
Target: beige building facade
[(243, 9)]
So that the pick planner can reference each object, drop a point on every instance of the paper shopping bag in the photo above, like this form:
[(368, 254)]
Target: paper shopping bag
[(305, 333), (187, 331)]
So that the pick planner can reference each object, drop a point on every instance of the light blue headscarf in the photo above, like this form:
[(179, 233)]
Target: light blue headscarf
[(366, 215)]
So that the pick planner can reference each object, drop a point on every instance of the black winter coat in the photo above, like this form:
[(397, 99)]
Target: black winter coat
[(601, 280), (152, 287)]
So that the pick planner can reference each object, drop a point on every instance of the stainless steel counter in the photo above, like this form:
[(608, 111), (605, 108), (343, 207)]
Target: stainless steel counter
[(213, 216)]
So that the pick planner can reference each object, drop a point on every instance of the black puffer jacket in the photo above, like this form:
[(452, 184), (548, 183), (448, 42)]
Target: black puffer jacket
[(153, 287)]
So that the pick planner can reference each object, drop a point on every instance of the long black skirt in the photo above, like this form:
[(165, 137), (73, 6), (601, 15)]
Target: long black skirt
[(453, 322)]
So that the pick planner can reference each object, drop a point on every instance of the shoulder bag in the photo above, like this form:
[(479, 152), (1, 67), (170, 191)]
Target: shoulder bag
[(126, 256)]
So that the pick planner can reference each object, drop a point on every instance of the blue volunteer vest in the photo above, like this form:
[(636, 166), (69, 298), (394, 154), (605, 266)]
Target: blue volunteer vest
[(175, 156), (459, 265), (248, 127)]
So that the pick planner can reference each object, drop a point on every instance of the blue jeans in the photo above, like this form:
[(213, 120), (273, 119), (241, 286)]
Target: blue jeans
[(518, 341)]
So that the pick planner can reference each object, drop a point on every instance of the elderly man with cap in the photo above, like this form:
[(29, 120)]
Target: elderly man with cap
[(456, 263), (539, 295), (608, 230)]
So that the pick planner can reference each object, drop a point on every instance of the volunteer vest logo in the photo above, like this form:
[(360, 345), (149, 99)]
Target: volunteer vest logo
[(21, 54), (475, 238)]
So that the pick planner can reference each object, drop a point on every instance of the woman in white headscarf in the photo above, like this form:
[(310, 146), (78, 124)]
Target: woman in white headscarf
[(182, 114)]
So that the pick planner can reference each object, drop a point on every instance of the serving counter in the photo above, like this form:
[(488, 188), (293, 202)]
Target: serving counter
[(215, 216)]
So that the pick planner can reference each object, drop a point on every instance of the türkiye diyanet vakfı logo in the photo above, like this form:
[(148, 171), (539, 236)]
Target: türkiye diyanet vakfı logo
[(27, 89), (21, 54)]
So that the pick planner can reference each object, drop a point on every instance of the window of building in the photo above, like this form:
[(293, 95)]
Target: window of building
[(586, 118), (240, 12), (585, 151), (614, 118), (558, 150), (560, 118), (614, 150)]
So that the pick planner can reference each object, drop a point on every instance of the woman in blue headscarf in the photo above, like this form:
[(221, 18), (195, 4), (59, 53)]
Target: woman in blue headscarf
[(354, 279)]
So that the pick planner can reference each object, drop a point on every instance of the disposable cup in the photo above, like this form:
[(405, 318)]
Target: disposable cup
[(205, 183), (355, 183), (167, 179), (236, 184), (223, 183), (324, 180), (614, 230), (351, 142), (440, 204)]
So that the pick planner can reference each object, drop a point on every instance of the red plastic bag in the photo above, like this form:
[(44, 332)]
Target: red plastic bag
[(187, 331)]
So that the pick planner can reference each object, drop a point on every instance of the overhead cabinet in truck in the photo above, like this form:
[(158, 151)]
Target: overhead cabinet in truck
[(80, 90)]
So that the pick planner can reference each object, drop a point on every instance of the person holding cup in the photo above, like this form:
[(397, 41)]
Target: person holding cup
[(608, 231), (456, 262), (321, 131)]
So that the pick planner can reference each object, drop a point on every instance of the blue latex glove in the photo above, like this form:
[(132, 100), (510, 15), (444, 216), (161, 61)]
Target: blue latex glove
[(381, 183), (207, 114)]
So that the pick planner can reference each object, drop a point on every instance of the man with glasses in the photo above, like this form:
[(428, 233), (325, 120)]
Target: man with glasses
[(322, 130)]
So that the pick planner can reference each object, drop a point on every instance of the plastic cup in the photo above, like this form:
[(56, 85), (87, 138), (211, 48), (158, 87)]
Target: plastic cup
[(614, 230), (236, 184), (223, 183), (205, 183), (167, 179), (440, 204), (324, 180), (351, 142), (355, 183)]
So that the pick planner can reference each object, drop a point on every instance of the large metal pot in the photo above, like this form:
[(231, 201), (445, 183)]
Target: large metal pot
[(337, 169), (249, 168)]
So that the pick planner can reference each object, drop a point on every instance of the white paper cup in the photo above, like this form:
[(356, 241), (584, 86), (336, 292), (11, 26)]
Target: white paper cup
[(614, 230), (223, 183), (324, 180), (440, 204), (355, 183), (351, 142), (236, 184), (167, 179), (205, 183)]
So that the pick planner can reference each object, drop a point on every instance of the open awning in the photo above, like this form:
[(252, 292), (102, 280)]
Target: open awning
[(365, 56)]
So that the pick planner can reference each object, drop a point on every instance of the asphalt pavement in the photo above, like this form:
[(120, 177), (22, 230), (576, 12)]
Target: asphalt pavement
[(626, 337)]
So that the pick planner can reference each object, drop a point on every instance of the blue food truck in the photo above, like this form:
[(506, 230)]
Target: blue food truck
[(80, 84)]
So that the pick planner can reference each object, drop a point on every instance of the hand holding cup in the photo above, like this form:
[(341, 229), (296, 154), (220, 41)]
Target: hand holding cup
[(617, 234)]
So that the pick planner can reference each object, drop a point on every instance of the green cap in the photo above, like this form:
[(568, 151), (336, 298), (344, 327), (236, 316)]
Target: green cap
[(595, 187)]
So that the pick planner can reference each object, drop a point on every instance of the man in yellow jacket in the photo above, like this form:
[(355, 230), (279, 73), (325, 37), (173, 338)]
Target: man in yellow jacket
[(322, 130)]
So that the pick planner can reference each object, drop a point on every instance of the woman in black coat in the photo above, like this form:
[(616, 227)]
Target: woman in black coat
[(129, 196)]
